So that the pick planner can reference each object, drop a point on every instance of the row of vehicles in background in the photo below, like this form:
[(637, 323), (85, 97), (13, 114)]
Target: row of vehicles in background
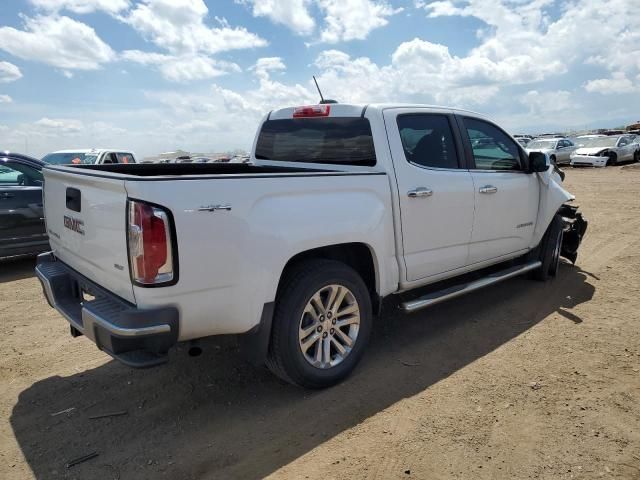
[(585, 150)]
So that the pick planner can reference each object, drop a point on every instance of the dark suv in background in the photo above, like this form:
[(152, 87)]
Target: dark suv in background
[(22, 229)]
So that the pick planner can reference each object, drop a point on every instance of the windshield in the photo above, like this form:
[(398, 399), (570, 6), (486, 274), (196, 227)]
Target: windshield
[(597, 142), (542, 144), (338, 140), (74, 158)]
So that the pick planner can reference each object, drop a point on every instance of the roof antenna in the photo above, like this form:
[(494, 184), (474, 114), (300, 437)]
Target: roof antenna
[(322, 100)]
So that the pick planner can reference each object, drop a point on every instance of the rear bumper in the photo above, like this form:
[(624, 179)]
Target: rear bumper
[(136, 337)]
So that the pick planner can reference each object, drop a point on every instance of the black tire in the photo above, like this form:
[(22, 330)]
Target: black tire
[(613, 160), (636, 157), (553, 160), (549, 250), (285, 358)]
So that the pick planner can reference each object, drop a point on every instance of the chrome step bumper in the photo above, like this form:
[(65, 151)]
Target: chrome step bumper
[(136, 337)]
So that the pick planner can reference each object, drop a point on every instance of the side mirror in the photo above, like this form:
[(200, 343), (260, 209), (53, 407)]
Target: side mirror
[(539, 162)]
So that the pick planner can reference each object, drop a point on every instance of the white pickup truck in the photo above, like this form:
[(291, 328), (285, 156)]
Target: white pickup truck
[(95, 156), (341, 207)]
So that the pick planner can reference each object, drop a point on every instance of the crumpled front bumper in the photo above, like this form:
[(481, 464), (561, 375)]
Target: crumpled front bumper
[(136, 337), (588, 161)]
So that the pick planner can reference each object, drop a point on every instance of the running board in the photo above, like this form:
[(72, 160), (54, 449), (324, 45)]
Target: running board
[(459, 290)]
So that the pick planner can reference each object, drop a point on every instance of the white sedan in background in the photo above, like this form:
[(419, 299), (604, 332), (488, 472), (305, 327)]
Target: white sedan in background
[(559, 149), (603, 151)]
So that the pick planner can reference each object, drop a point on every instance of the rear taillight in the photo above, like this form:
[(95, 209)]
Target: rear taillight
[(312, 111), (150, 247)]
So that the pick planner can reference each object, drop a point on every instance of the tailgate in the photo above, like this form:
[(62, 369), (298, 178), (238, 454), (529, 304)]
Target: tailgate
[(85, 218)]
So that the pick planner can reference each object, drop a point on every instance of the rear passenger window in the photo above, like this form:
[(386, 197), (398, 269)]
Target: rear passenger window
[(124, 158), (427, 140), (492, 148), (332, 140)]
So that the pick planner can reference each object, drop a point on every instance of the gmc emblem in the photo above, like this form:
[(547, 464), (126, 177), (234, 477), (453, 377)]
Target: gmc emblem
[(74, 224)]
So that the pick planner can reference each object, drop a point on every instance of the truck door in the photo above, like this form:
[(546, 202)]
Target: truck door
[(506, 196), (435, 193), (21, 214)]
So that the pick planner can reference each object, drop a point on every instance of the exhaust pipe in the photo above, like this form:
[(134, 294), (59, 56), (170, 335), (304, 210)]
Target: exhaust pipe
[(195, 350)]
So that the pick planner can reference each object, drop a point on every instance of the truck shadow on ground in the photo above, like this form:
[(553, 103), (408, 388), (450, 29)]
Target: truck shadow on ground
[(217, 417), (19, 269)]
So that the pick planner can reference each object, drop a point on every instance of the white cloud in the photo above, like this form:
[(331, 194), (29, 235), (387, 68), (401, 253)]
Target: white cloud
[(58, 41), (353, 19), (265, 65), (292, 13), (5, 99), (9, 72), (526, 44), (59, 125), (223, 119), (617, 84), (419, 71), (342, 20), (82, 6), (178, 26), (545, 103), (182, 68)]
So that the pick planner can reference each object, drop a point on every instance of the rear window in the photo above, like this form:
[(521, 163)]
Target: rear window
[(346, 141), (71, 158)]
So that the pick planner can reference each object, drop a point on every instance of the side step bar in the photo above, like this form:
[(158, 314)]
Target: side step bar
[(459, 290)]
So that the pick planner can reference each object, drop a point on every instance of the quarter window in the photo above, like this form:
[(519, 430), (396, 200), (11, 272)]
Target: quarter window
[(492, 148), (427, 140)]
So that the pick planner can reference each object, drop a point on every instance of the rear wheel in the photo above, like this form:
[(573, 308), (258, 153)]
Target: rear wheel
[(321, 324), (549, 250)]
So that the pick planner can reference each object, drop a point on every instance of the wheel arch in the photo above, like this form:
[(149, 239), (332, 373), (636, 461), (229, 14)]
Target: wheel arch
[(358, 255)]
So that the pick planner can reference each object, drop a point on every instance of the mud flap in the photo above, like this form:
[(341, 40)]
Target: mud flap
[(574, 230)]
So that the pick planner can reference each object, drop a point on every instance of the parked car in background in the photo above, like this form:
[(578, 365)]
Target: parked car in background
[(606, 150), (558, 149), (581, 139), (89, 156), (635, 140), (22, 229), (524, 141)]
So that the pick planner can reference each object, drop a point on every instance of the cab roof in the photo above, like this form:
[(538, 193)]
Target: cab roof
[(358, 109)]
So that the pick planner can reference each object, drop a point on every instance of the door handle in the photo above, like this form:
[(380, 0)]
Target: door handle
[(7, 195), (420, 192), (488, 189)]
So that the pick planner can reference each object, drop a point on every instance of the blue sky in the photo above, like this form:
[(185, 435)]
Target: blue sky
[(156, 75)]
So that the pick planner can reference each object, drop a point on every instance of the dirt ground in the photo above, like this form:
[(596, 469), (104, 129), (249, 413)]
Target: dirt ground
[(521, 380)]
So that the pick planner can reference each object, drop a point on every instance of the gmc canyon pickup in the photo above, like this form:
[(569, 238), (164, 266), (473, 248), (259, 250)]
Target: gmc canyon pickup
[(342, 206)]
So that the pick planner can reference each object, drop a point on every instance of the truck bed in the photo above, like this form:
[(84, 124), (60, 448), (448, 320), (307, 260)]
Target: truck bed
[(182, 169)]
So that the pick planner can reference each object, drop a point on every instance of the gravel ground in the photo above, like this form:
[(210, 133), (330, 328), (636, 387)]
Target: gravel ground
[(521, 380)]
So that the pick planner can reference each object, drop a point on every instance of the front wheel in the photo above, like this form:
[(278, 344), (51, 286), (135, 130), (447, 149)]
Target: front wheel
[(549, 250), (321, 324), (612, 161)]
